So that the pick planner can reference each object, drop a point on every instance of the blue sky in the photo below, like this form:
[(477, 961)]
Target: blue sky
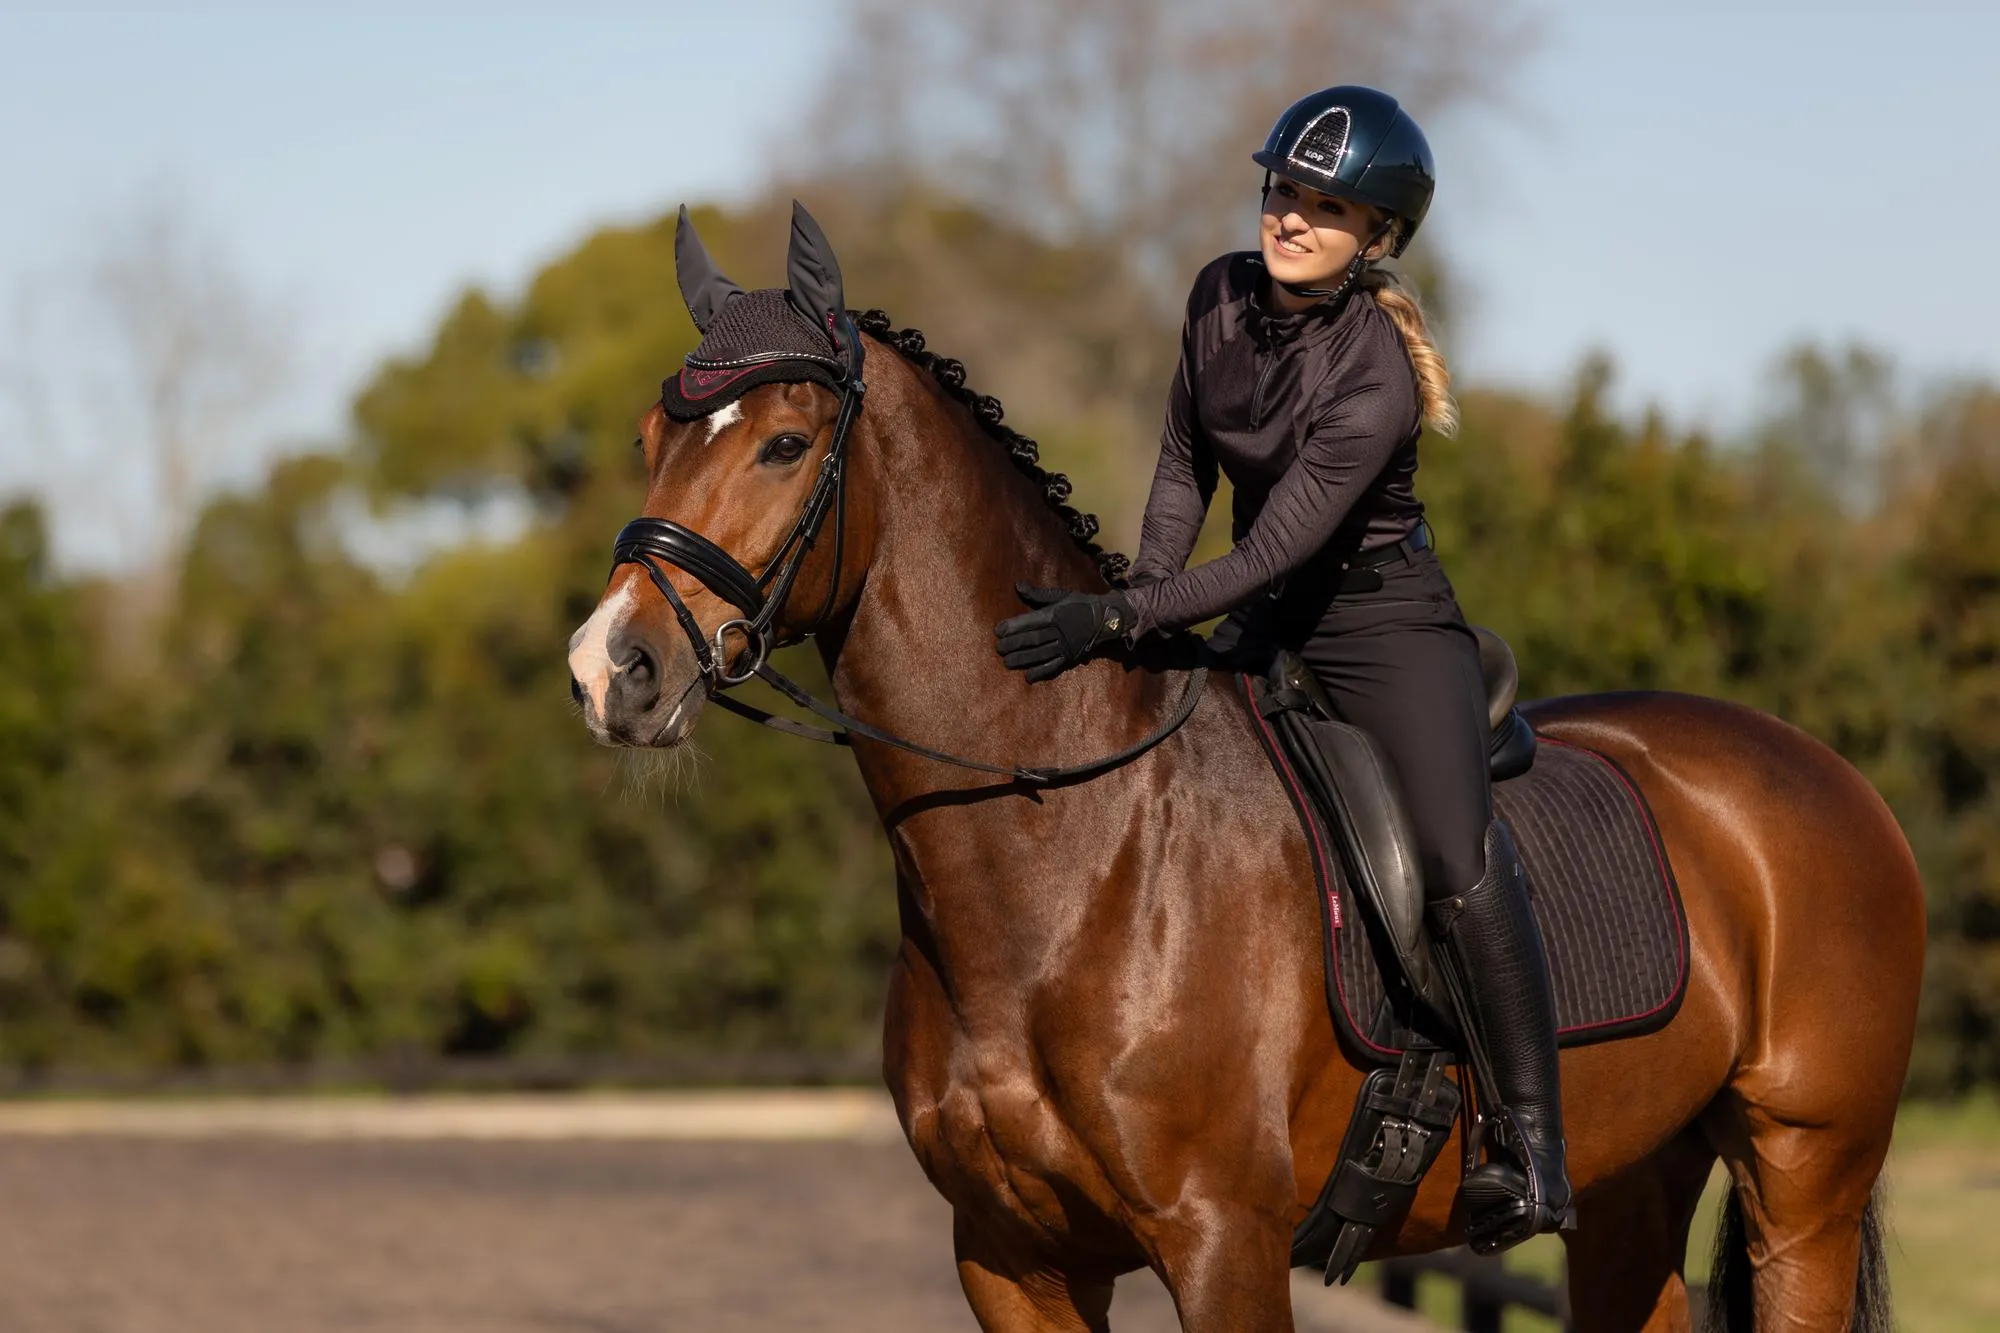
[(1705, 183), (1692, 186)]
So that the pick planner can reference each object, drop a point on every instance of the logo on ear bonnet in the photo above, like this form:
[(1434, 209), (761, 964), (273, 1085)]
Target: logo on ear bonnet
[(707, 382)]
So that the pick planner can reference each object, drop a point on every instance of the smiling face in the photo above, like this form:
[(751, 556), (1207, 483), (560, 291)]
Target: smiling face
[(740, 477), (1310, 238)]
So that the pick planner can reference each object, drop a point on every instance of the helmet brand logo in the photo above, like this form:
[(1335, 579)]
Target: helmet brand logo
[(1324, 142)]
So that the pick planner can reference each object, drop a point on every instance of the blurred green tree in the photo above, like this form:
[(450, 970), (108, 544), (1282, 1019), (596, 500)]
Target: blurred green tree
[(1951, 502), (319, 808)]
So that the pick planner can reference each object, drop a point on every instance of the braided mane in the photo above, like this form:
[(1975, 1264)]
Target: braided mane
[(1021, 451)]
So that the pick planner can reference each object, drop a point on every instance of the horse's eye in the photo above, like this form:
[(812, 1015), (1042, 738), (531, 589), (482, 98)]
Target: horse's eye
[(784, 449)]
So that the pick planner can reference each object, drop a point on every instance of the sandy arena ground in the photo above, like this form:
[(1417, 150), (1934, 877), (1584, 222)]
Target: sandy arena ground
[(500, 1215)]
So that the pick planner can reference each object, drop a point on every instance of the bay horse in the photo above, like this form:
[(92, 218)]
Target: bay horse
[(1106, 1035)]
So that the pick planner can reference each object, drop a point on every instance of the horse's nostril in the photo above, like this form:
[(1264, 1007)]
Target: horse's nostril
[(640, 667), (576, 691), (634, 685)]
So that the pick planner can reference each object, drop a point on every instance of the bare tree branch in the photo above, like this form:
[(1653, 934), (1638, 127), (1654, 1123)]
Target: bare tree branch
[(25, 397), (1116, 134), (200, 353), (1131, 119)]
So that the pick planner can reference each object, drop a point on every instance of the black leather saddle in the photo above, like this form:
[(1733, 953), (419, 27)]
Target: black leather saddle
[(1354, 785), (1402, 1117), (1606, 898)]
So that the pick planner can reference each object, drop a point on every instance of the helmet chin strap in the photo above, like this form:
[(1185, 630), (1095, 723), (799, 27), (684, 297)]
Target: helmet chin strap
[(1355, 267)]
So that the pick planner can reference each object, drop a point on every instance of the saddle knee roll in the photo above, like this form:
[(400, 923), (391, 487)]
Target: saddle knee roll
[(1357, 786)]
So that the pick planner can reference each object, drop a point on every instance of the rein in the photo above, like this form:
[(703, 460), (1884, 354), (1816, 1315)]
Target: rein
[(648, 541)]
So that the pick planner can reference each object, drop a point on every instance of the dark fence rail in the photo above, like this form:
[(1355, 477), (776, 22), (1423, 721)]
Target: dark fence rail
[(1489, 1288)]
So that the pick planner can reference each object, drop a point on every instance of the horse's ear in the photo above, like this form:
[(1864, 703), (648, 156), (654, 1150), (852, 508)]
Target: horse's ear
[(703, 287), (813, 274)]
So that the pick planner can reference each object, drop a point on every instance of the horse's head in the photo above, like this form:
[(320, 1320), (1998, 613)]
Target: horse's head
[(744, 539)]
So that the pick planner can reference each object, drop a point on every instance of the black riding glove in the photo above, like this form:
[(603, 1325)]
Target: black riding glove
[(1062, 629)]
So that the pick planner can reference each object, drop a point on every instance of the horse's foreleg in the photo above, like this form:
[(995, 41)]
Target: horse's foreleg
[(1227, 1267), (1627, 1254), (1012, 1291)]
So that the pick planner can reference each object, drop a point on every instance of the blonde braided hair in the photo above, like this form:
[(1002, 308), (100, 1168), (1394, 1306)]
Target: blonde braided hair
[(1440, 410)]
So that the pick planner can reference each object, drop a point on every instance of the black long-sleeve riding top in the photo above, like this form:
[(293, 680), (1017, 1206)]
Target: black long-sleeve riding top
[(1314, 419)]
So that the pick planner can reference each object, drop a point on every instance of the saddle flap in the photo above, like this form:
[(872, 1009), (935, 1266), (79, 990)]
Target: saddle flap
[(1604, 894), (1356, 789)]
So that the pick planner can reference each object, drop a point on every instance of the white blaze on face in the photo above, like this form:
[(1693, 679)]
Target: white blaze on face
[(722, 419), (590, 649)]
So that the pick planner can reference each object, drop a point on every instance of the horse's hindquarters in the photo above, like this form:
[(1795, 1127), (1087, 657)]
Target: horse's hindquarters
[(1806, 923)]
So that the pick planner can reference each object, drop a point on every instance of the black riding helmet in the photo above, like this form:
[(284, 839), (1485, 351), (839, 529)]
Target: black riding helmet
[(1359, 144)]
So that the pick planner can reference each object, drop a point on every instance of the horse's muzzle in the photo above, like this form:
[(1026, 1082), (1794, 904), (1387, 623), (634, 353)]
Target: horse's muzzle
[(650, 692)]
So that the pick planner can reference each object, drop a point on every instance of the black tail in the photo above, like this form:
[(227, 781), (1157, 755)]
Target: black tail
[(1730, 1308), (1871, 1282)]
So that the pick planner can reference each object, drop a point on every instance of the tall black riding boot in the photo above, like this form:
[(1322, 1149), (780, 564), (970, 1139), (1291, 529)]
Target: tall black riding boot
[(1496, 946)]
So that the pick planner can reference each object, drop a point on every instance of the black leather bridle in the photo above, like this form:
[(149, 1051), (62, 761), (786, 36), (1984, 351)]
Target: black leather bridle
[(645, 541), (648, 541)]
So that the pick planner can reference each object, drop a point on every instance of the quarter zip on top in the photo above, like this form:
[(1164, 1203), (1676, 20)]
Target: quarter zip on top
[(1257, 394)]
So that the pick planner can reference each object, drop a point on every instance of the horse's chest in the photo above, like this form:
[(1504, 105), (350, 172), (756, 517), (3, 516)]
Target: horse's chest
[(996, 1143), (985, 1129)]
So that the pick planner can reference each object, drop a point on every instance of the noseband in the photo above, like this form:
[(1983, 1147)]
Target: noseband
[(647, 542)]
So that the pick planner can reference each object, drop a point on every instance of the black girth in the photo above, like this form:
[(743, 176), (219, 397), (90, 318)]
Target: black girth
[(649, 541)]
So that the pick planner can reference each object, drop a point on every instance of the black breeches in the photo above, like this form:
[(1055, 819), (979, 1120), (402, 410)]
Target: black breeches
[(1401, 663)]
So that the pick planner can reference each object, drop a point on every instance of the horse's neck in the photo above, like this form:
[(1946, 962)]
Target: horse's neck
[(955, 527)]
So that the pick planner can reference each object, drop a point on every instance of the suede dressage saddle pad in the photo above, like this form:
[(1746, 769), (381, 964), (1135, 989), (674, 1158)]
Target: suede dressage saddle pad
[(1602, 889)]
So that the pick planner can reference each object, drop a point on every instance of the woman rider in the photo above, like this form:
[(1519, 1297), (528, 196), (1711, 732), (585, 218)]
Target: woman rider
[(1306, 377)]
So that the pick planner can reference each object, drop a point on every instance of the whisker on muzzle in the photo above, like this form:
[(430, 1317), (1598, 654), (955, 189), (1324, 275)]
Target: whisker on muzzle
[(674, 773)]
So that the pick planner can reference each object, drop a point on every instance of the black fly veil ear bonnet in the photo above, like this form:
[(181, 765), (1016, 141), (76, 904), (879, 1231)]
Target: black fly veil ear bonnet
[(750, 338)]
